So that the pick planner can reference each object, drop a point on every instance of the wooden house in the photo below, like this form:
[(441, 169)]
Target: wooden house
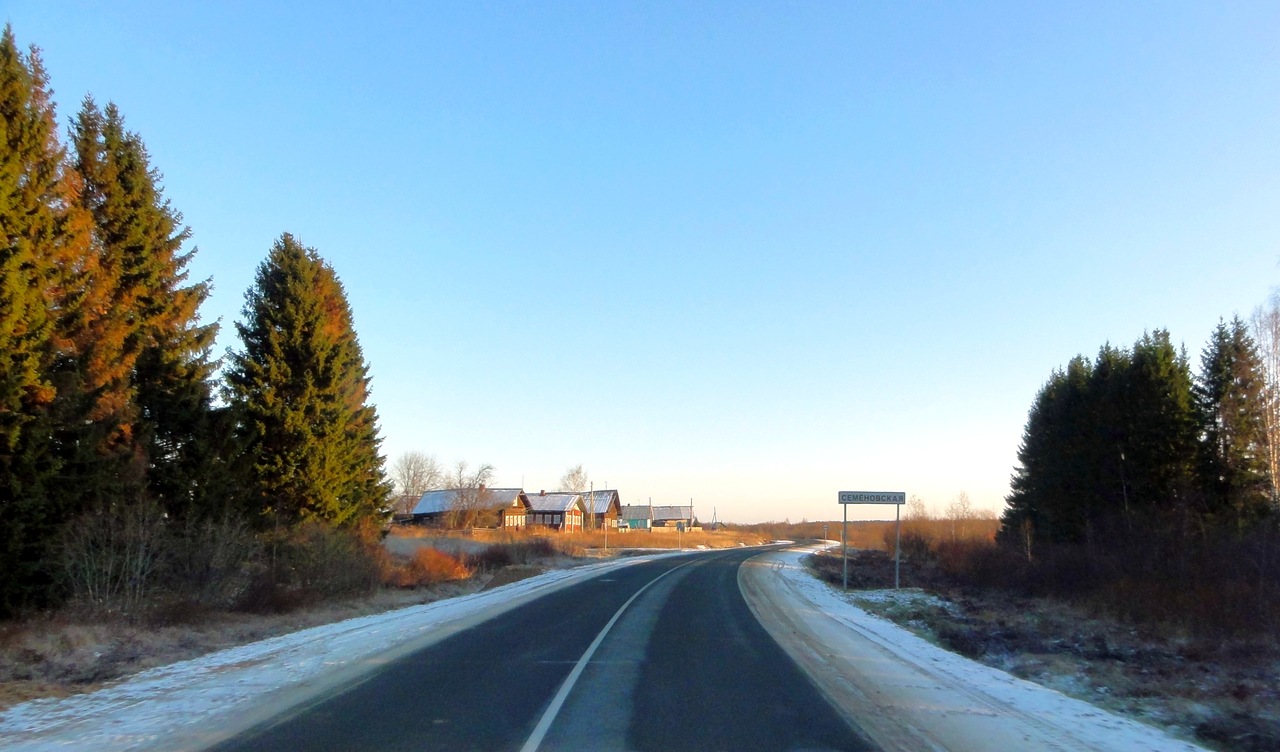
[(472, 507), (636, 517), (672, 516), (402, 507), (562, 511), (603, 509)]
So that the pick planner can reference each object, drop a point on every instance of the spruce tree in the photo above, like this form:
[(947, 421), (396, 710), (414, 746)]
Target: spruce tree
[(1052, 495), (1106, 442), (1160, 446), (1024, 518), (149, 363), (101, 460), (44, 264), (1231, 400), (300, 391)]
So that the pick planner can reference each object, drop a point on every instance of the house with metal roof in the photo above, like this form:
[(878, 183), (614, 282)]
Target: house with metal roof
[(636, 517), (402, 505), (603, 509), (472, 507), (670, 516), (558, 510)]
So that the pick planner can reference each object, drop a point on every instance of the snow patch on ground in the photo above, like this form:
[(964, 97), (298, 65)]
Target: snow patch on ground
[(904, 597)]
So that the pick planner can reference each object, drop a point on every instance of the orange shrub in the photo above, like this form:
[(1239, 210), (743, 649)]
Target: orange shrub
[(428, 566)]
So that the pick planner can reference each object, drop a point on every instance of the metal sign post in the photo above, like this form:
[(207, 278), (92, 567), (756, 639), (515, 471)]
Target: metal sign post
[(844, 543), (897, 542), (897, 498)]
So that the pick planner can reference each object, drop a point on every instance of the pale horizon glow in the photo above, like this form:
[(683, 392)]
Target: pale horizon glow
[(745, 254)]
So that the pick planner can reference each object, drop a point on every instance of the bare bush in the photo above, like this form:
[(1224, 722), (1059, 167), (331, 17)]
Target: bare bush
[(915, 545), (329, 561), (311, 562), (492, 558), (113, 555), (209, 560)]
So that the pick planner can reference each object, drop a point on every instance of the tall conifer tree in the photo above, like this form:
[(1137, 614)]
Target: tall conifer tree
[(300, 390), (44, 298), (1106, 442), (1160, 447), (1231, 397), (1052, 495), (149, 363)]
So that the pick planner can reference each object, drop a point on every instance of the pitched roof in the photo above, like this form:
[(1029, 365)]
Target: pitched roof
[(599, 502), (637, 512), (504, 497), (404, 503), (435, 502), (554, 502), (673, 513)]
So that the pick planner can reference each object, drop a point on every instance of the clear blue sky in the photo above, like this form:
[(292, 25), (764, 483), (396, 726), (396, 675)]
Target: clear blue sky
[(745, 253)]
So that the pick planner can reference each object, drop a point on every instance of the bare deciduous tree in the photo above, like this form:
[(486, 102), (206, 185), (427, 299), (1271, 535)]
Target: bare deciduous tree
[(959, 512), (470, 496), (574, 479), (1266, 332), (415, 473), (916, 510)]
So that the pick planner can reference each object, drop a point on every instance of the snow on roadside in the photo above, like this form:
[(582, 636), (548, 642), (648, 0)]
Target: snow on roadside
[(155, 705), (1095, 726)]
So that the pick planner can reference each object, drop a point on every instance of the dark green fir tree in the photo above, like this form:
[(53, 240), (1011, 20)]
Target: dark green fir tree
[(300, 391), (1231, 400), (150, 366), (44, 262), (1158, 464)]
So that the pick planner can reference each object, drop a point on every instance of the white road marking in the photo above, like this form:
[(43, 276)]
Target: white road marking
[(544, 724)]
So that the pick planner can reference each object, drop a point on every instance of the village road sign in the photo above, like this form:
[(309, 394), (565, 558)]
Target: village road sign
[(873, 497)]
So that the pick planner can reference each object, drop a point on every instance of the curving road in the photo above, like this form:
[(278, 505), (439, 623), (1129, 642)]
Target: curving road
[(661, 656)]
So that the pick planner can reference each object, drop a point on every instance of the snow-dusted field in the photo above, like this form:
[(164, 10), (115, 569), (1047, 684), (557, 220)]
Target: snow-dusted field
[(908, 693)]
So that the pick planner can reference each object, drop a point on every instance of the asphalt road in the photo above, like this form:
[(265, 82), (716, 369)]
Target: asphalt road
[(661, 656)]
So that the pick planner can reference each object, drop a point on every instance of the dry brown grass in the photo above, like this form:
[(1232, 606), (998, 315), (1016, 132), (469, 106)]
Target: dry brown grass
[(595, 539), (586, 543), (864, 534), (69, 653)]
